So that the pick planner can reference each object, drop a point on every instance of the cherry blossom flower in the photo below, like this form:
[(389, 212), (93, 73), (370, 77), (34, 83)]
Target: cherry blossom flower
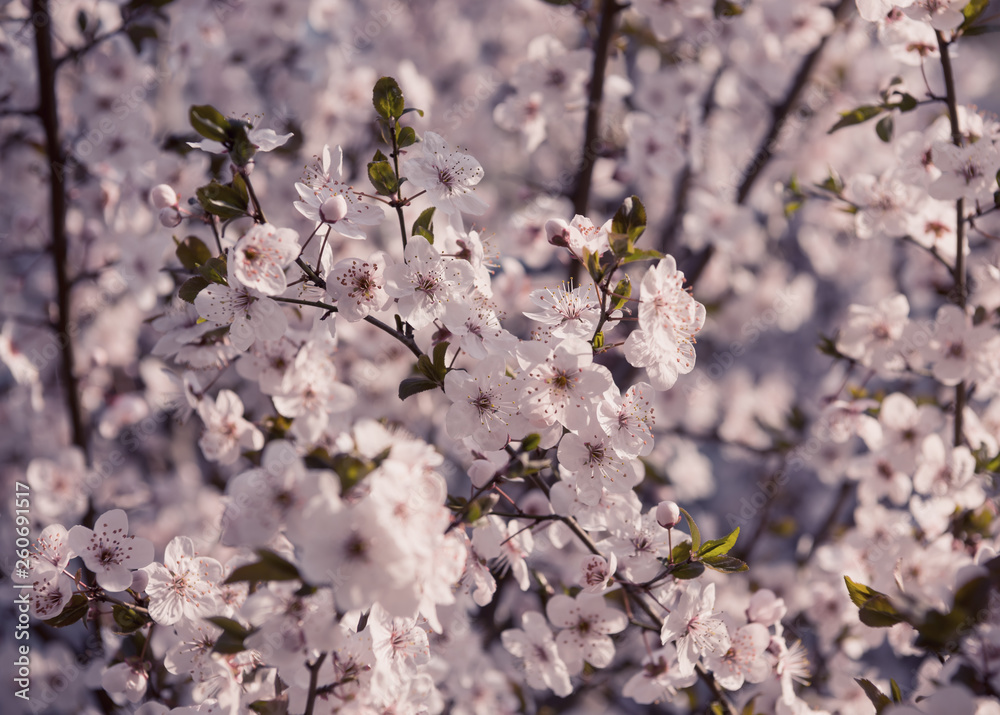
[(694, 627), (358, 286), (483, 404), (560, 384), (184, 586), (874, 10), (50, 594), (745, 659), (966, 171), (261, 500), (942, 15), (226, 430), (449, 177), (109, 551), (597, 465), (128, 679), (628, 421), (328, 199), (52, 551), (958, 348), (261, 255), (250, 314), (571, 313), (871, 334), (587, 623), (425, 282), (660, 677), (596, 572), (533, 643), (885, 205)]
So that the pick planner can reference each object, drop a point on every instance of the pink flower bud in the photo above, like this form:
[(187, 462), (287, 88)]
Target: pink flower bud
[(333, 209), (170, 217), (163, 196), (668, 514)]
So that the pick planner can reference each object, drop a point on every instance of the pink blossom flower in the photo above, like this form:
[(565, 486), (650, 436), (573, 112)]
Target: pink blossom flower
[(587, 623), (109, 551)]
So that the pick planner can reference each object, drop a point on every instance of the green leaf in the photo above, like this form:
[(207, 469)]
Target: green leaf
[(209, 122), (726, 8), (531, 442), (190, 288), (693, 528), (242, 150), (884, 129), (231, 639), (725, 564), (857, 116), (405, 136), (897, 694), (214, 270), (719, 547), (859, 592), (278, 706), (137, 33), (627, 225), (971, 12), (127, 619), (694, 569), (383, 178), (439, 355), (222, 200), (598, 342), (878, 698), (593, 263), (621, 293), (878, 612), (351, 470), (72, 612), (240, 184), (681, 552), (648, 255), (424, 225), (413, 109), (907, 102), (271, 567), (192, 252), (388, 98), (412, 385)]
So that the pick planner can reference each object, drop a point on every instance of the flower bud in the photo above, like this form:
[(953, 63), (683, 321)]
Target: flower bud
[(163, 196), (170, 217), (333, 209), (668, 514)]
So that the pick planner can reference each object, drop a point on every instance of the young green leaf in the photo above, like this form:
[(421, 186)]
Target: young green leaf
[(271, 567), (857, 116), (192, 252), (693, 528), (719, 547), (387, 98), (190, 288), (209, 122), (879, 699), (412, 385)]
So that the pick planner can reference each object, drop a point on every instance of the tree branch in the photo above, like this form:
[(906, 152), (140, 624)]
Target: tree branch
[(48, 112)]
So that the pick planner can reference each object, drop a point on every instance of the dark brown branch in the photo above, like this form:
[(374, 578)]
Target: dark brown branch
[(959, 273), (48, 112), (781, 111)]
